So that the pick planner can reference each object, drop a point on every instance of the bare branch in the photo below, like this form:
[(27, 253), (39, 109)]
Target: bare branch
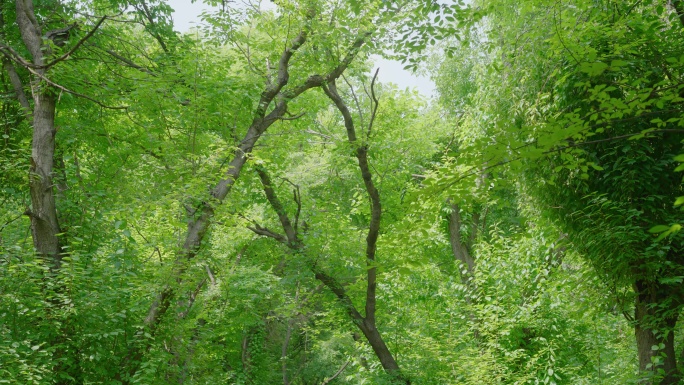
[(292, 236), (145, 11), (257, 229), (11, 220), (374, 104), (327, 380), (191, 299), (18, 87), (293, 117), (60, 87), (298, 199), (210, 274), (356, 99), (77, 45), (129, 62)]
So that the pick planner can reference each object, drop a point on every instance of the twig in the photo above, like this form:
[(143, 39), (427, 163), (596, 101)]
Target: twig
[(356, 99), (374, 103), (10, 221), (339, 371), (76, 46), (50, 82), (130, 63)]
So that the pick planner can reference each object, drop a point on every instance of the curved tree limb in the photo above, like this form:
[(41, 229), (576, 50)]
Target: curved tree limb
[(200, 223)]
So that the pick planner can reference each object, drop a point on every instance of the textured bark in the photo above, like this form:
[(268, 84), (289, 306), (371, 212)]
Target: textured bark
[(44, 224), (45, 228), (654, 325)]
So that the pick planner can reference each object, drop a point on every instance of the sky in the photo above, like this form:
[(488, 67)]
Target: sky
[(186, 15)]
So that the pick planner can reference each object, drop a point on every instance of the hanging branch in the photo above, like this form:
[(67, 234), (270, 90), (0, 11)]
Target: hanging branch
[(334, 376), (77, 45), (129, 62)]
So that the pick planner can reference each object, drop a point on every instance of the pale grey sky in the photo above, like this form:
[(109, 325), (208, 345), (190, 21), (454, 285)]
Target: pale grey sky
[(186, 15)]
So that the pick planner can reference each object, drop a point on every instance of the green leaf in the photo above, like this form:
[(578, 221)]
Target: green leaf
[(595, 166), (593, 69), (658, 229)]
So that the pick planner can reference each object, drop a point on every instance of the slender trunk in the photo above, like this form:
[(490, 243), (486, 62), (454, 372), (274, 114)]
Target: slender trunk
[(461, 253), (458, 248), (365, 324), (654, 328), (44, 224)]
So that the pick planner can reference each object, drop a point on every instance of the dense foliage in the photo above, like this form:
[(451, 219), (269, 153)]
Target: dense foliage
[(246, 203)]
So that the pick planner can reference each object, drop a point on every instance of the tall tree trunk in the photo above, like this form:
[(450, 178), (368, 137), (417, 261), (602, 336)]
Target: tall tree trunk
[(43, 213), (655, 316), (44, 224), (367, 323), (45, 228)]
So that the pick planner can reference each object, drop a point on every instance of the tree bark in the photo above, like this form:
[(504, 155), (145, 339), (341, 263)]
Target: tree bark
[(45, 228), (655, 316), (458, 248)]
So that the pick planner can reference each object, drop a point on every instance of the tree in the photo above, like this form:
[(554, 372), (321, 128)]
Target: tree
[(563, 118)]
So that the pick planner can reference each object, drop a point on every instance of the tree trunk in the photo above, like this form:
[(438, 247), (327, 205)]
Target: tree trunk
[(44, 224), (458, 248), (365, 324), (43, 213), (654, 327), (382, 351)]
